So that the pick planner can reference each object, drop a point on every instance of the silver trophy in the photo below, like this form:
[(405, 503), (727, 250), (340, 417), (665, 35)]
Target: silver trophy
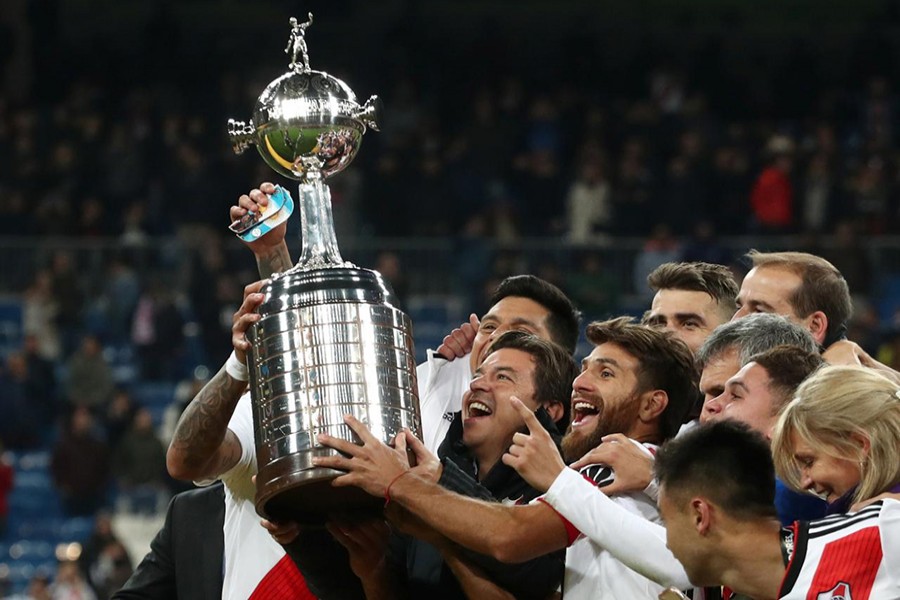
[(331, 340)]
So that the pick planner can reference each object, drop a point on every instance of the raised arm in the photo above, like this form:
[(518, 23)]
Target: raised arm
[(270, 250), (202, 446)]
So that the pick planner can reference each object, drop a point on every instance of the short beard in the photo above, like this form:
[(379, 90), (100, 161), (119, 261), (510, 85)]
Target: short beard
[(620, 419)]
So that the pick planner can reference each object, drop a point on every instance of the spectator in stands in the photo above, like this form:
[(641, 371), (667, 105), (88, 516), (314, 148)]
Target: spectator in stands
[(39, 316), (41, 379), (38, 589), (70, 584), (772, 198), (80, 465), (185, 391), (660, 248), (120, 296), (589, 202), (139, 466), (7, 479), (595, 288), (22, 423), (157, 333), (104, 561), (89, 381), (110, 570), (119, 417), (66, 291)]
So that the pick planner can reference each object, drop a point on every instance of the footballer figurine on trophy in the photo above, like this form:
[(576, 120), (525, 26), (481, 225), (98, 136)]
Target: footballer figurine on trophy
[(331, 339)]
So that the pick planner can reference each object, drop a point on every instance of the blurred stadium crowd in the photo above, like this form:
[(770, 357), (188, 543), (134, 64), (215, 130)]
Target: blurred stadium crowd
[(588, 171)]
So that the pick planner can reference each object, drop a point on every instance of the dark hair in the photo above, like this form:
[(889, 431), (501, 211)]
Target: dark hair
[(787, 367), (554, 371), (822, 287), (725, 461), (715, 280), (564, 318), (666, 364), (752, 335)]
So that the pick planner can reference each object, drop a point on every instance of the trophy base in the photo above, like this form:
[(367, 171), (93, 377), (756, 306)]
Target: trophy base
[(308, 498)]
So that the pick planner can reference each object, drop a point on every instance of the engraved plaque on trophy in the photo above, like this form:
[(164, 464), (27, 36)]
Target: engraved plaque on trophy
[(331, 340)]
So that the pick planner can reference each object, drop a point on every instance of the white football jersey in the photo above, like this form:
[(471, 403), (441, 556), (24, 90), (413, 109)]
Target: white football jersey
[(845, 557)]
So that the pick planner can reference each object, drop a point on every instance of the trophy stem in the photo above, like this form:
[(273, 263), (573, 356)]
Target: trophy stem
[(320, 248)]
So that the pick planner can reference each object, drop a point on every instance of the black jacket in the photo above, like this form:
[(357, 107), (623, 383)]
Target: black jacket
[(429, 577), (185, 558)]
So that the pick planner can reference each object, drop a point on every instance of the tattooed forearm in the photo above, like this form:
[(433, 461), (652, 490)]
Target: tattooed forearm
[(201, 445), (278, 260)]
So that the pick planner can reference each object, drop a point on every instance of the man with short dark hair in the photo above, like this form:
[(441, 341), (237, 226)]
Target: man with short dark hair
[(691, 300), (522, 303), (755, 394), (716, 502)]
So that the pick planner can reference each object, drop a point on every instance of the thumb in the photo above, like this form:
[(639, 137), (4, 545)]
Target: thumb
[(400, 443), (416, 445)]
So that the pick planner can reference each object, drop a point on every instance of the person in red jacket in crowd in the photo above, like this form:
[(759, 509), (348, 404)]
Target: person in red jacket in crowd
[(772, 198)]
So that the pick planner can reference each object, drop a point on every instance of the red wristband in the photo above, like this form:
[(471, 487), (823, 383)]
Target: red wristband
[(387, 490)]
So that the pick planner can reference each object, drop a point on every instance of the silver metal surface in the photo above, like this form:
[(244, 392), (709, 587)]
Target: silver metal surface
[(306, 120), (330, 342), (331, 339)]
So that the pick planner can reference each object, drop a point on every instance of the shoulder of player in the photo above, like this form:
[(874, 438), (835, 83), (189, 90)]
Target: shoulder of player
[(865, 517)]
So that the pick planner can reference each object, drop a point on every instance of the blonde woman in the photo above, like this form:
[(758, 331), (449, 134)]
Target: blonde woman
[(839, 438)]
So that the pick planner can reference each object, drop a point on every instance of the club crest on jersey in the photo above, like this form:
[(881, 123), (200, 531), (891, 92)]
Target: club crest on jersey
[(839, 592), (601, 475)]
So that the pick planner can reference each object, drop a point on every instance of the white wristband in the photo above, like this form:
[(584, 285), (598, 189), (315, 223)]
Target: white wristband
[(236, 369)]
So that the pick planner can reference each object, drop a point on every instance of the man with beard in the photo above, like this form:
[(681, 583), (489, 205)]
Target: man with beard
[(637, 381)]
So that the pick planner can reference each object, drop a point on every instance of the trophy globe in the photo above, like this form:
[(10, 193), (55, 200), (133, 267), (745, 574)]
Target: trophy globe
[(331, 339)]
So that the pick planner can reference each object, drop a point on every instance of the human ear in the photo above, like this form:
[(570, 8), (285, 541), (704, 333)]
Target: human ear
[(653, 405), (817, 323)]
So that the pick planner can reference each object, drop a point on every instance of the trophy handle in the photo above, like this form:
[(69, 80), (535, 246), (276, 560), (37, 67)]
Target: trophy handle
[(242, 135), (370, 113)]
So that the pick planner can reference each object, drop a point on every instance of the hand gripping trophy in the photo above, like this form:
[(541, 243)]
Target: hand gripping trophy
[(331, 340)]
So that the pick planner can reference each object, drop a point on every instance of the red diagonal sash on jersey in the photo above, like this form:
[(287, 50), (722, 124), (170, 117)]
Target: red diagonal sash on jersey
[(282, 582), (852, 560)]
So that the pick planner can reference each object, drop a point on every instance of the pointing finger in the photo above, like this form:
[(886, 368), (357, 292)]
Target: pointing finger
[(534, 426)]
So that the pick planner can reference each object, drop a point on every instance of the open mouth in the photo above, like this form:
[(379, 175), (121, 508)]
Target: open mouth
[(583, 412), (477, 409)]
